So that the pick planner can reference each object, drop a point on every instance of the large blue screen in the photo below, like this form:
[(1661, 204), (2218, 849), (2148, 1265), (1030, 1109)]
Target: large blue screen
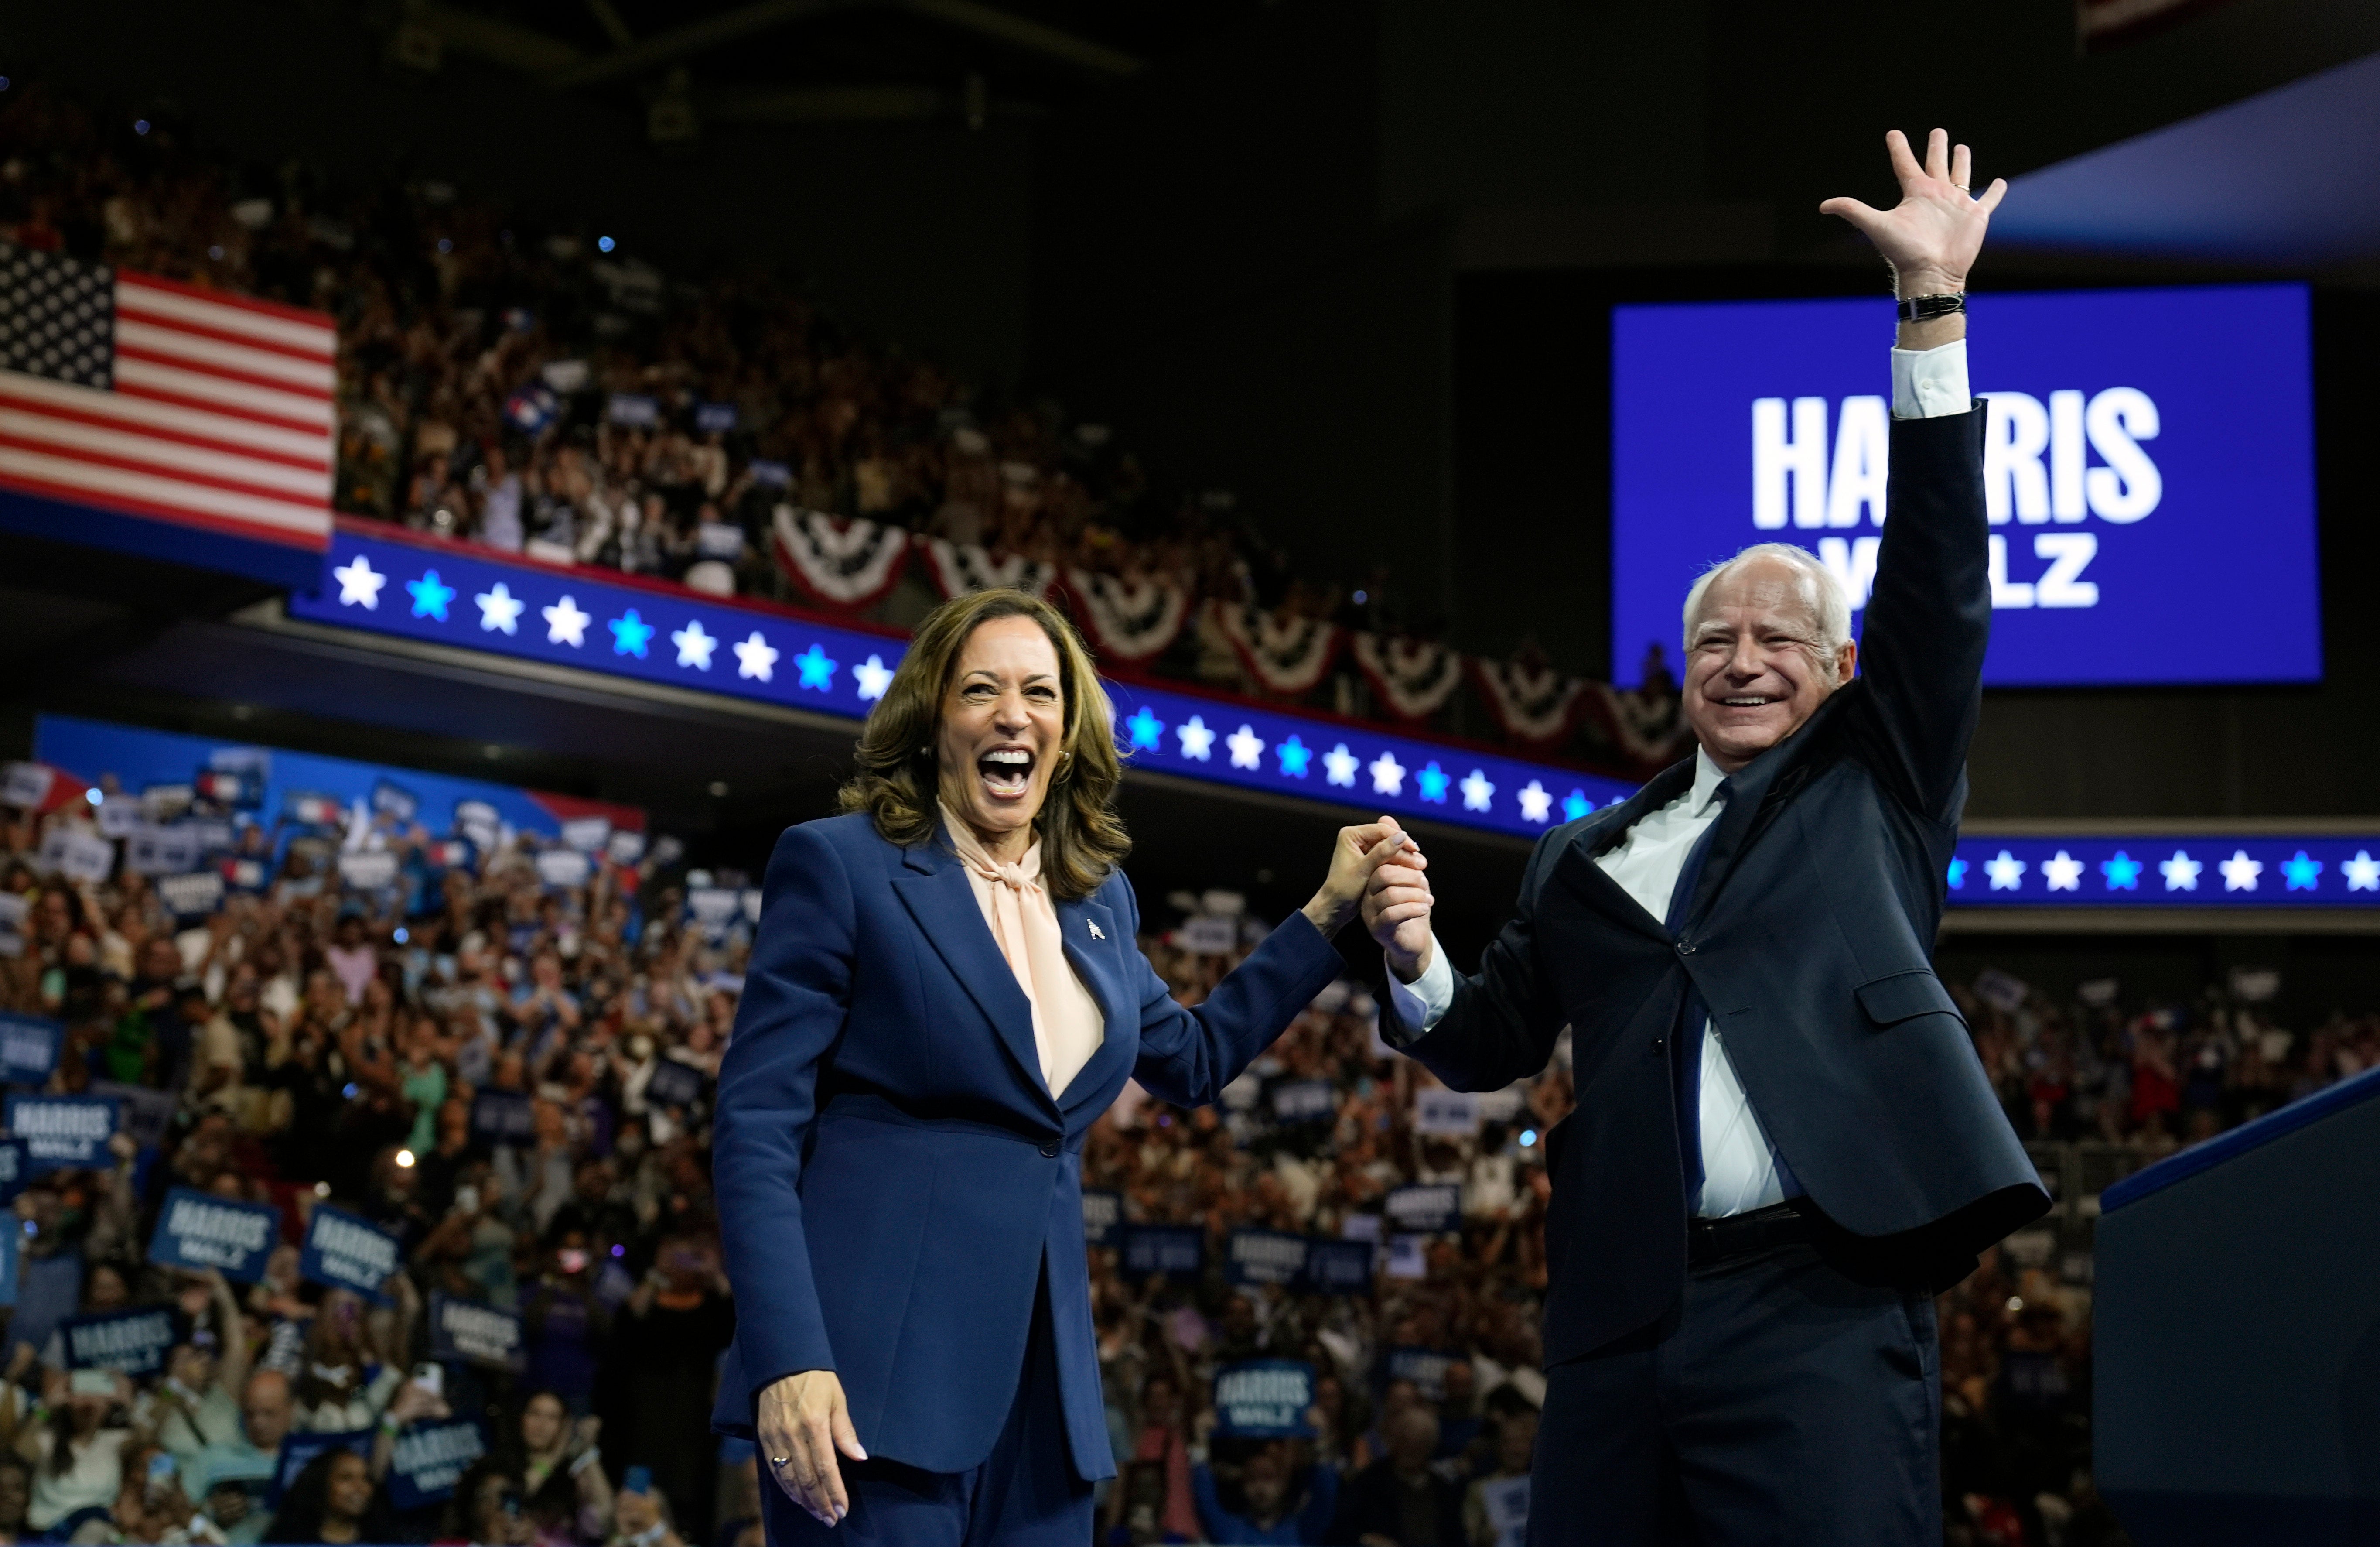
[(2150, 471)]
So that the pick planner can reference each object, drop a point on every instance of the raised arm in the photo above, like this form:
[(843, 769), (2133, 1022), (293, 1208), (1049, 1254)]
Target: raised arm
[(1929, 612)]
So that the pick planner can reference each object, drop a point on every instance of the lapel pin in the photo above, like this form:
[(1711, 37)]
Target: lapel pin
[(1095, 932)]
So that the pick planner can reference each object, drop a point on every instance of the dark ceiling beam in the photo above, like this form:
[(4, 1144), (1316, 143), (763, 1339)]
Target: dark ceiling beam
[(827, 104), (1026, 33), (497, 42), (699, 37)]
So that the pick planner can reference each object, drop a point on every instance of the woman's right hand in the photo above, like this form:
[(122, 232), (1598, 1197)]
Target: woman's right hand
[(1355, 853), (802, 1423)]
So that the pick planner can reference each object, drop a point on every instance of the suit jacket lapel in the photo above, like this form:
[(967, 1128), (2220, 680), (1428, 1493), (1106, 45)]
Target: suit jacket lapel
[(937, 894), (1099, 959), (1586, 880), (1754, 792)]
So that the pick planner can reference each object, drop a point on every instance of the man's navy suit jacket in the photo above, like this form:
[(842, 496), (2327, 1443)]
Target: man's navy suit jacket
[(894, 1177), (1809, 937)]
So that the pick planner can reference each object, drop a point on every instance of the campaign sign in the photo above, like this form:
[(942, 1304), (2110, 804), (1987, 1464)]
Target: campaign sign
[(393, 801), (1438, 1206), (16, 1170), (473, 1333), (1339, 1267), (1426, 1368), (2146, 450), (199, 1230), (76, 855), (141, 1110), (63, 1131), (429, 1459), (1304, 1101), (9, 1239), (28, 1048), (298, 1450), (1507, 1502), (193, 895), (1102, 1212), (133, 1341), (563, 868), (502, 1118), (1446, 1113), (1264, 1257), (1263, 1399), (1174, 1249), (674, 1084), (344, 1252)]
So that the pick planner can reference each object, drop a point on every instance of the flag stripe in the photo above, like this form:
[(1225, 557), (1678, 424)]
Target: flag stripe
[(264, 367), (299, 448), (78, 478), (224, 336), (170, 457), (153, 299), (149, 379)]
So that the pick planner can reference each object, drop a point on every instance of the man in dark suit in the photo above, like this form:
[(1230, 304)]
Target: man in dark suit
[(1784, 1142)]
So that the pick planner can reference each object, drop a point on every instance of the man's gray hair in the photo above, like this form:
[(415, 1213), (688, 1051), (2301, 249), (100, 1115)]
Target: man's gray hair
[(1825, 594)]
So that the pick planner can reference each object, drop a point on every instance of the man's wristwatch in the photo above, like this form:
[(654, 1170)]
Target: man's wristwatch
[(1927, 309)]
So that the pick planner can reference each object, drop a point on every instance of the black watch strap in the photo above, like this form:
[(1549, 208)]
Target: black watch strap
[(1925, 309)]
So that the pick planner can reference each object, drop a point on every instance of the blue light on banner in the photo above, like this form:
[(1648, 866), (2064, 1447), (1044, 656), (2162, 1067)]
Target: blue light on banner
[(2182, 871), (2148, 454), (469, 598)]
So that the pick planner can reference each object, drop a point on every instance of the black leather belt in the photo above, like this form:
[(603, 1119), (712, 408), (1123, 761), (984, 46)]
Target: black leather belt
[(1711, 1241)]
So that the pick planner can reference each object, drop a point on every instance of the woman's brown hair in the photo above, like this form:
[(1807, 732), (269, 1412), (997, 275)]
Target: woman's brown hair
[(1082, 837)]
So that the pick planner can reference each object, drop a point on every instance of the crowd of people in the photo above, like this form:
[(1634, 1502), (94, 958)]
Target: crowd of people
[(311, 1043), (540, 392)]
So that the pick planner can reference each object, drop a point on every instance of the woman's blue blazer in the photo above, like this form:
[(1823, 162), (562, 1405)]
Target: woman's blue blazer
[(892, 1175)]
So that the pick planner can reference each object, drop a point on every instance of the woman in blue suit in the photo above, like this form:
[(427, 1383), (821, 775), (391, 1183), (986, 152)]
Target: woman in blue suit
[(944, 994)]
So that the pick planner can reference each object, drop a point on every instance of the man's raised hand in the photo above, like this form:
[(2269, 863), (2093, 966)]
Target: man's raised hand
[(1931, 237), (1397, 904)]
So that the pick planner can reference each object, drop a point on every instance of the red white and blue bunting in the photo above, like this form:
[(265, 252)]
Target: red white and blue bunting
[(960, 567), (1287, 654), (1534, 704), (1131, 621), (1412, 678), (1648, 728), (839, 563)]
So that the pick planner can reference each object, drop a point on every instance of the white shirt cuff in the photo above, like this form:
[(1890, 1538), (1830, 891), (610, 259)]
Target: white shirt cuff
[(1422, 1002), (1928, 383)]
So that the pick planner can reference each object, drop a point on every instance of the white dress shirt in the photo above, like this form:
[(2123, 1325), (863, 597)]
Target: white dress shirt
[(1739, 1164)]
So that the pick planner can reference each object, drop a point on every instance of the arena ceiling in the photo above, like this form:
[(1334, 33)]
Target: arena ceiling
[(813, 61)]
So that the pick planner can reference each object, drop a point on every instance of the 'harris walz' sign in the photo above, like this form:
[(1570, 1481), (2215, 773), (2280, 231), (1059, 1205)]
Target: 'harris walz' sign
[(28, 1048), (198, 1230), (429, 1459), (1264, 1257), (344, 1252), (63, 1131), (475, 1333), (1263, 1399), (132, 1341), (1177, 1250)]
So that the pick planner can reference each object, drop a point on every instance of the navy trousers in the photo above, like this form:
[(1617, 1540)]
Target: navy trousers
[(1781, 1402), (1026, 1494)]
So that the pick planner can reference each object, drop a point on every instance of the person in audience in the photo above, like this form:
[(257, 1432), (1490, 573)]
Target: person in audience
[(486, 1509), (332, 1500), (564, 1490), (1486, 1519), (1269, 1508), (642, 1514), (16, 1499), (1400, 1500), (77, 1455)]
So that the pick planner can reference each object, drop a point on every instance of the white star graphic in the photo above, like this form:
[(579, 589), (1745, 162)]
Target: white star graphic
[(2240, 873), (2006, 870), (1537, 801), (567, 625), (1197, 741), (2062, 872), (1477, 792), (1339, 765), (2362, 872), (873, 677), (1387, 774), (694, 646), (358, 583), (756, 657), (2180, 872), (1248, 747), (500, 609)]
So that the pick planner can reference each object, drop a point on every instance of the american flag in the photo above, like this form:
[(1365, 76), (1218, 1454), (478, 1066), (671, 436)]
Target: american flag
[(142, 396)]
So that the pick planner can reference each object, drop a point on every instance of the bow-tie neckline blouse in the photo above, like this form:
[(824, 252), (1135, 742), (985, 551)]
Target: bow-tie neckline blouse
[(1068, 1024)]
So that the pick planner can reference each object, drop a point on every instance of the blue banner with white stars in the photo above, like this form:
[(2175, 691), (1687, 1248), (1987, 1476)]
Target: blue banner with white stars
[(480, 599), (2180, 871)]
